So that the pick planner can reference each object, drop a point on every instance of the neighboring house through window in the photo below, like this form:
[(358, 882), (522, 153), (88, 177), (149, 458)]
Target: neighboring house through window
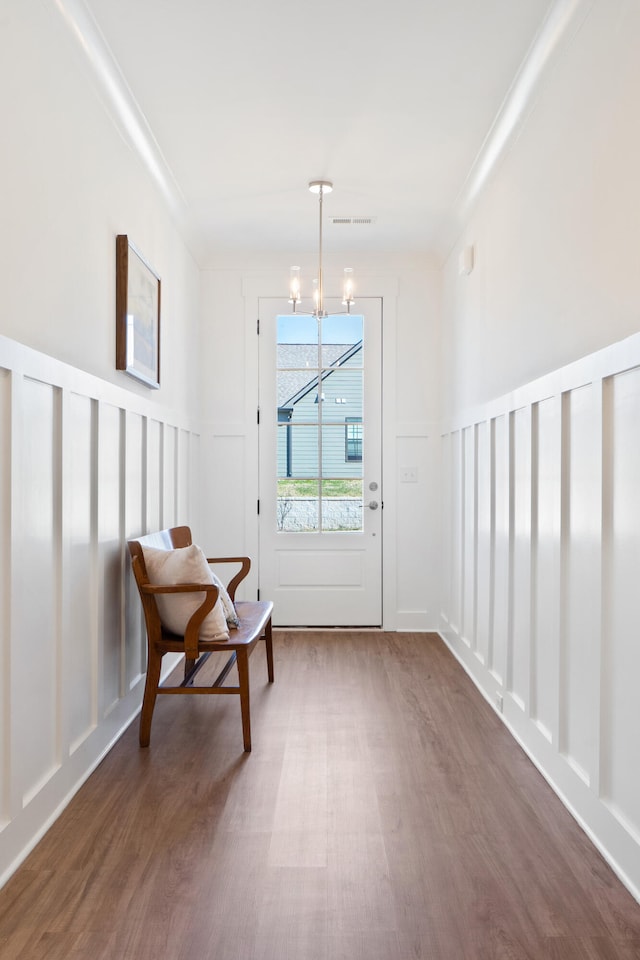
[(313, 403)]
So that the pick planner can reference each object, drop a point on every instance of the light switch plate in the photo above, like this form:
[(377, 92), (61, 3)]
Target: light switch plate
[(408, 474)]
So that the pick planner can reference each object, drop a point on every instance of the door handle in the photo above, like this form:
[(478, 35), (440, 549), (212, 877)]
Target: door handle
[(373, 505)]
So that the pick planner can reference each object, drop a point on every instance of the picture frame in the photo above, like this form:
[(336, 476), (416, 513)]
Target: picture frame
[(137, 314)]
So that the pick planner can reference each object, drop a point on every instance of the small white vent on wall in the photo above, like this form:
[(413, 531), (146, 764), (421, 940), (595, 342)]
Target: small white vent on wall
[(353, 221)]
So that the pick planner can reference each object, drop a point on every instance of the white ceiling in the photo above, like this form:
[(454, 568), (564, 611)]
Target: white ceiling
[(248, 101)]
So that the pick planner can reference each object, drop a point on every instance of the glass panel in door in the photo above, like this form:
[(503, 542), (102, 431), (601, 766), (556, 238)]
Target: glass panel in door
[(320, 426)]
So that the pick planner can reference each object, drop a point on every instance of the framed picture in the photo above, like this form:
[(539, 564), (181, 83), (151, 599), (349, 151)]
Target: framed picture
[(137, 314)]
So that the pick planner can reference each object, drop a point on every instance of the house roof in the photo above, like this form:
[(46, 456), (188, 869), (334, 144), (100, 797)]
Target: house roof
[(294, 384)]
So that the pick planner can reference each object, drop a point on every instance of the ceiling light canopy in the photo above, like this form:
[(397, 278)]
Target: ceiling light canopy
[(320, 188)]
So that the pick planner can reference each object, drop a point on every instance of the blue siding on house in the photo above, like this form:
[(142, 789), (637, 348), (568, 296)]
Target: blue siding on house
[(335, 398)]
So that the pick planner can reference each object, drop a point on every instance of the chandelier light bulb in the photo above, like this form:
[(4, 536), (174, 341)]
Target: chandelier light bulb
[(294, 286), (347, 288)]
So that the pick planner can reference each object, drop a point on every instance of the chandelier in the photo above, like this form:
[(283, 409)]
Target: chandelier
[(320, 187)]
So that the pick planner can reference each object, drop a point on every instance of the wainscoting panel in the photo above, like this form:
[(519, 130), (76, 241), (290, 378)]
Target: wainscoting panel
[(225, 469), (485, 541), (110, 553), (446, 530), (519, 645), (469, 537), (79, 621), (455, 482), (85, 464), (185, 475), (413, 505), (135, 501), (35, 654), (154, 465), (500, 557), (170, 477), (540, 598), (621, 642), (545, 615), (581, 544)]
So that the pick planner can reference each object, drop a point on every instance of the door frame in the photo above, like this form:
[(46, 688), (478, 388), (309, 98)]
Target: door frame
[(270, 287), (358, 553)]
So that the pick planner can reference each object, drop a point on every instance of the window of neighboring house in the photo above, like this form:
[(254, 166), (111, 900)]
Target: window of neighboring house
[(353, 438)]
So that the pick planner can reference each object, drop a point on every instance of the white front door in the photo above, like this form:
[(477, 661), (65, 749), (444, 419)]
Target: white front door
[(320, 465)]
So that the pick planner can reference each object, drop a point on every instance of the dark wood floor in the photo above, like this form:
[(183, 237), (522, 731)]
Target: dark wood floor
[(384, 814)]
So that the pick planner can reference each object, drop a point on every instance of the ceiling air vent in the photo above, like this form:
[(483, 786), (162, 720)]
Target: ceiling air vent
[(353, 221)]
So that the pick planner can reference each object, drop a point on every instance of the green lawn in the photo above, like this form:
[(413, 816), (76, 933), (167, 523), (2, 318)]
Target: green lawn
[(296, 489)]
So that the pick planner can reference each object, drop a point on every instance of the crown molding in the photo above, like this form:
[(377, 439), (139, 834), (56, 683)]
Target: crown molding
[(119, 100), (562, 22)]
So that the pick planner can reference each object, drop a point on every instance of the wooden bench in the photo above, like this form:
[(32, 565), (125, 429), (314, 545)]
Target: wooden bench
[(255, 624)]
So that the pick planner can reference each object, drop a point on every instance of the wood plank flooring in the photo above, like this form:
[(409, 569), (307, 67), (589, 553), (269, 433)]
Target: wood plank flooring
[(384, 814)]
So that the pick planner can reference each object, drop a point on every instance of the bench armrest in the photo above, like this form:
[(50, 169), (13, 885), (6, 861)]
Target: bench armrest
[(192, 631), (245, 566)]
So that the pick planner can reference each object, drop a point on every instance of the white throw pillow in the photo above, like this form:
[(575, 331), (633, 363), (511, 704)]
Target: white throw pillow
[(184, 565)]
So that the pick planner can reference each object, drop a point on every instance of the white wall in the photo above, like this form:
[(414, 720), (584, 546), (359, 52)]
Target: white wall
[(85, 465), (89, 456), (70, 184), (410, 415), (541, 540), (555, 231)]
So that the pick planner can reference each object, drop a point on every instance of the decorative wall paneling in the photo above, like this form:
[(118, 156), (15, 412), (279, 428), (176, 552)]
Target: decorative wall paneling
[(85, 465), (540, 594), (416, 447)]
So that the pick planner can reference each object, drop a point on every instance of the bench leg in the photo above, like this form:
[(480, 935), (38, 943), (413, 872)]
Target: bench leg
[(268, 642), (243, 677), (150, 692)]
